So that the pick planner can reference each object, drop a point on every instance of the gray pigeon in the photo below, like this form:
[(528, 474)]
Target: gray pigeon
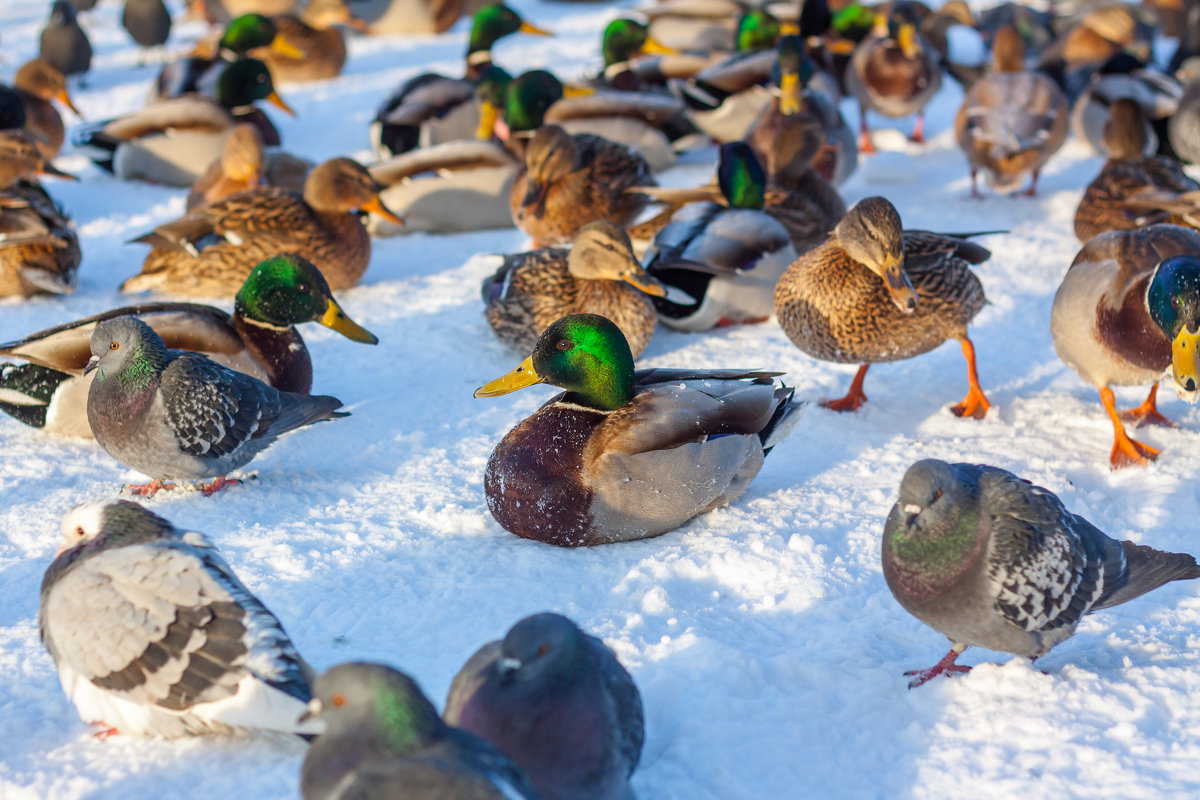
[(63, 42), (558, 703), (153, 634), (383, 739), (172, 414), (991, 560)]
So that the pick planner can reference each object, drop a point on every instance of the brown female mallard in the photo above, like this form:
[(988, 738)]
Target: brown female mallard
[(209, 252), (598, 275), (314, 33), (238, 169), (1126, 312), (37, 82), (568, 181), (875, 292), (39, 252), (1012, 120), (1120, 196), (894, 72)]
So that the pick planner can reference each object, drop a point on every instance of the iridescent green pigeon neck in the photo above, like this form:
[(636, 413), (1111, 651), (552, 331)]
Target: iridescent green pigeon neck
[(1173, 297), (925, 560), (756, 30), (143, 366), (407, 720), (741, 178), (247, 32), (587, 355)]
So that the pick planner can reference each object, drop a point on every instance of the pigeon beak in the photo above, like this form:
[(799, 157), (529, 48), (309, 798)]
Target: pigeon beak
[(313, 710), (93, 362), (508, 666)]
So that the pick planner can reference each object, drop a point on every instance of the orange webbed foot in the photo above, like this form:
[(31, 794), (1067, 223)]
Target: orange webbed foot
[(854, 398), (148, 489), (975, 404), (1128, 452), (1147, 413)]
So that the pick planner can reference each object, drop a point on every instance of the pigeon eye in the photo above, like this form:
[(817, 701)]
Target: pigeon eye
[(113, 346), (338, 700), (541, 651), (937, 494), (79, 531)]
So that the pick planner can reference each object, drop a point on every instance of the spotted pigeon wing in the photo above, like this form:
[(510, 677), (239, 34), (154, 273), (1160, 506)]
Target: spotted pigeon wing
[(628, 700), (1048, 566), (213, 410)]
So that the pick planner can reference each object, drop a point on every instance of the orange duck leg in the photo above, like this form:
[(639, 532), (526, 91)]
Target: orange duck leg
[(854, 398), (975, 404), (1147, 413), (1125, 451)]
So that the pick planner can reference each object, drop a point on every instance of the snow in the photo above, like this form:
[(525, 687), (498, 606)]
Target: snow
[(765, 642)]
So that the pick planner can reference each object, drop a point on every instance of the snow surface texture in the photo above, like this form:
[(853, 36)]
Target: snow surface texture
[(765, 642)]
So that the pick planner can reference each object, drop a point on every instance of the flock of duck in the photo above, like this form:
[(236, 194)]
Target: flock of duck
[(150, 629)]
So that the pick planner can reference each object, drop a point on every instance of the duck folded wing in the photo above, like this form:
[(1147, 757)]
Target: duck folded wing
[(190, 112), (234, 219), (924, 246)]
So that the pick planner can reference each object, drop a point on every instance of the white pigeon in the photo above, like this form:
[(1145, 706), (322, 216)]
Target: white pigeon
[(153, 634)]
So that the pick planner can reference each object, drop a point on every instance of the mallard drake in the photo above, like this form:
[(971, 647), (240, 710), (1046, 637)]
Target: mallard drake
[(598, 275), (432, 108), (635, 61), (209, 252), (63, 43), (1110, 201), (315, 34), (1011, 121), (172, 141), (1122, 77), (446, 188), (1127, 310), (199, 70), (38, 83), (567, 181), (259, 338), (239, 168), (893, 72), (837, 157), (624, 455), (724, 259), (875, 292), (39, 251)]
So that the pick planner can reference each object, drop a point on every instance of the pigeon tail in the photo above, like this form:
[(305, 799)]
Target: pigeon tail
[(1148, 570), (301, 409)]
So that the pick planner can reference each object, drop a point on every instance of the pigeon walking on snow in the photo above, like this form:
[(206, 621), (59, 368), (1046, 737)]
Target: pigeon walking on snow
[(991, 560), (154, 635), (177, 415), (558, 703), (383, 739)]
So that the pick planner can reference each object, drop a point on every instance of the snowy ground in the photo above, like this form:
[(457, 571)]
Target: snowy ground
[(767, 647)]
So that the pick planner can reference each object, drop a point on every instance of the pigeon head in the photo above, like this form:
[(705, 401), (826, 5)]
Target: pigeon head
[(287, 290), (128, 348), (539, 645), (374, 697), (114, 519), (586, 354), (934, 505)]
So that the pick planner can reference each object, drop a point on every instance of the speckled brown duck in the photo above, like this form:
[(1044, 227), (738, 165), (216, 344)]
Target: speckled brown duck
[(874, 293), (39, 251), (1120, 197), (598, 275), (315, 34), (568, 181), (209, 252), (39, 83)]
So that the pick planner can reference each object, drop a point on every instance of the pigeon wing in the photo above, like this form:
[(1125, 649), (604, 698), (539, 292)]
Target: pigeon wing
[(213, 410)]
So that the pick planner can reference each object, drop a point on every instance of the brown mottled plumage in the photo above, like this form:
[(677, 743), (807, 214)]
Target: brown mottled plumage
[(237, 170), (598, 275), (313, 31), (1012, 120), (799, 196), (39, 252), (568, 181), (876, 293), (209, 252), (1106, 205), (38, 83)]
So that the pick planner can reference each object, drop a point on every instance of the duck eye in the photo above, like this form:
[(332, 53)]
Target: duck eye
[(114, 346), (563, 344), (302, 287), (338, 700)]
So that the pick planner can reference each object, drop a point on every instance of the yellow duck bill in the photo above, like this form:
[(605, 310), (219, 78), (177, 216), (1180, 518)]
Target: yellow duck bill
[(524, 375)]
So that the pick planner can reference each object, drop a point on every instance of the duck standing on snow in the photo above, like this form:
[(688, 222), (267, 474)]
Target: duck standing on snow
[(384, 739), (559, 704), (259, 338), (176, 415), (723, 259), (153, 634), (1127, 309), (598, 275), (991, 560), (209, 251), (39, 250), (1011, 121), (894, 72), (624, 455), (875, 292)]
